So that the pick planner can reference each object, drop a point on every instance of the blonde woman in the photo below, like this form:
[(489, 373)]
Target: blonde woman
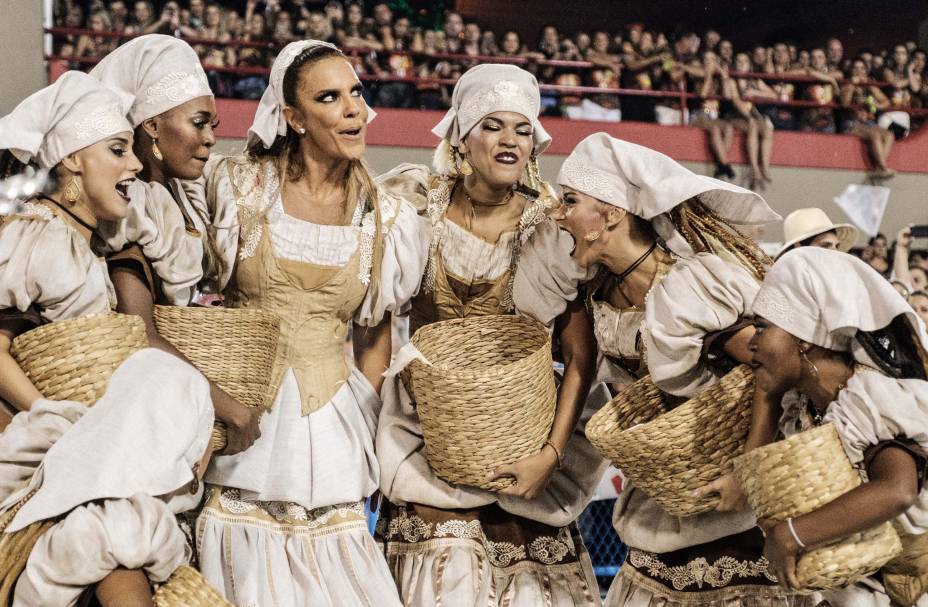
[(671, 299)]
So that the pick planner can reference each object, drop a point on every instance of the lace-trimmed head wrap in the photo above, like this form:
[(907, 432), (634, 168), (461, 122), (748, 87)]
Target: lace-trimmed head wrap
[(269, 120), (161, 72), (836, 301), (488, 88), (69, 115), (650, 185)]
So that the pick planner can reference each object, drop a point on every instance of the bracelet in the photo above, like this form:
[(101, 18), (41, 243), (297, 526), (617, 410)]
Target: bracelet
[(789, 523), (557, 452)]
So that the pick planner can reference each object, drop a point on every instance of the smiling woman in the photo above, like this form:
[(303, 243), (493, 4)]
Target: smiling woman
[(323, 248)]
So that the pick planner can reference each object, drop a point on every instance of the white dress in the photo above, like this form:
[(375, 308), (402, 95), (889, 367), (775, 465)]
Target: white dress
[(285, 523)]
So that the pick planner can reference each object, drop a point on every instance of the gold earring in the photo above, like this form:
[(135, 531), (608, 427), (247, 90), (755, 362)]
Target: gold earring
[(155, 150), (813, 370), (72, 192), (592, 236), (195, 483), (466, 168)]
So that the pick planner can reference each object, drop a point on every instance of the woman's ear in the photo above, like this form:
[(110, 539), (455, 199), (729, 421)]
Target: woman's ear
[(804, 346), (615, 216), (72, 164), (150, 127), (294, 118)]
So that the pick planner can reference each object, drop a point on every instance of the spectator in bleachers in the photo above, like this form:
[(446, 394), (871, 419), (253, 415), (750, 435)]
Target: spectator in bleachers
[(820, 120), (638, 60), (726, 54), (119, 15), (711, 40), (454, 32), (197, 14), (897, 73), (757, 128), (583, 42), (283, 29), (761, 61), (783, 117), (876, 254), (713, 95), (919, 302), (510, 45), (96, 46), (835, 51), (862, 101)]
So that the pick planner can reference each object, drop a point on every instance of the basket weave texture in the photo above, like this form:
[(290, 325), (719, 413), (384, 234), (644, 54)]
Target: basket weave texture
[(669, 453), (188, 588), (800, 474), (233, 347), (488, 397), (906, 576), (74, 359)]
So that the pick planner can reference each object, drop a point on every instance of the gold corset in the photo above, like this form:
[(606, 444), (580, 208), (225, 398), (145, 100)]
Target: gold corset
[(453, 298), (315, 305)]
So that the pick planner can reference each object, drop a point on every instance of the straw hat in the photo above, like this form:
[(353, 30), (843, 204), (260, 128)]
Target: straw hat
[(807, 223)]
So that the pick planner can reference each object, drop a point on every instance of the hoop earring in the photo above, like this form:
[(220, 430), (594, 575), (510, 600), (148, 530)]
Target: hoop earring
[(72, 192), (155, 150), (813, 370)]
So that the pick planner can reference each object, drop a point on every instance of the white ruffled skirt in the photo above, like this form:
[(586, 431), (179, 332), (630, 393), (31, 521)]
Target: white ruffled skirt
[(284, 522)]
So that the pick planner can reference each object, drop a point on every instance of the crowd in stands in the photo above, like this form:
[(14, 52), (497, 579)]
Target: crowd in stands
[(863, 87)]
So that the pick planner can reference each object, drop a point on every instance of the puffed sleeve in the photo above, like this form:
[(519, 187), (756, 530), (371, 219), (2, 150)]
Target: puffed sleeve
[(29, 436), (873, 409), (47, 265), (409, 182), (405, 253), (95, 539), (211, 197), (156, 224), (700, 295), (547, 277)]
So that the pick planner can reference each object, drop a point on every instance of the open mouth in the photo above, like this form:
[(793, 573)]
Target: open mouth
[(353, 133), (122, 188), (507, 158)]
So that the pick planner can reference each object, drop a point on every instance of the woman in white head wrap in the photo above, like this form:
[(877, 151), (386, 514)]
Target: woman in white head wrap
[(491, 244), (97, 504), (672, 299), (322, 247), (173, 114), (832, 328), (76, 129)]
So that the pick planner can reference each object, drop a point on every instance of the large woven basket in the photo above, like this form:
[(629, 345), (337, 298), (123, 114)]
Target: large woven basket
[(487, 398), (800, 474), (906, 576), (74, 359), (233, 347), (669, 453), (188, 588)]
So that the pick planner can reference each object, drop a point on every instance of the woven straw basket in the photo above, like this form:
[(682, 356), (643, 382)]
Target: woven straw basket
[(188, 588), (668, 454), (74, 359), (800, 474), (906, 576), (488, 397), (233, 347)]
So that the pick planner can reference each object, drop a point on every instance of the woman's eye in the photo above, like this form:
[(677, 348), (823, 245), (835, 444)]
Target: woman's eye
[(118, 151), (490, 127), (524, 133), (327, 98)]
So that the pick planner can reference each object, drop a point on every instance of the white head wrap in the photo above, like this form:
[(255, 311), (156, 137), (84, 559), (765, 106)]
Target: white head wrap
[(161, 72), (825, 297), (269, 120), (488, 88), (69, 115), (127, 443), (649, 185)]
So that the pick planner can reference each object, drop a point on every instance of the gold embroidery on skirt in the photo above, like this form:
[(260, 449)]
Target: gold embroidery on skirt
[(699, 571)]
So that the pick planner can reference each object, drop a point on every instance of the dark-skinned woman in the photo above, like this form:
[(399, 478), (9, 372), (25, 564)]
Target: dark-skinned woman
[(321, 246), (453, 544), (834, 330), (173, 115)]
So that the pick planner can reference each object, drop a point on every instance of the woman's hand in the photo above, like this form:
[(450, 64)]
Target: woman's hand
[(781, 550), (241, 422), (531, 473), (731, 496)]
